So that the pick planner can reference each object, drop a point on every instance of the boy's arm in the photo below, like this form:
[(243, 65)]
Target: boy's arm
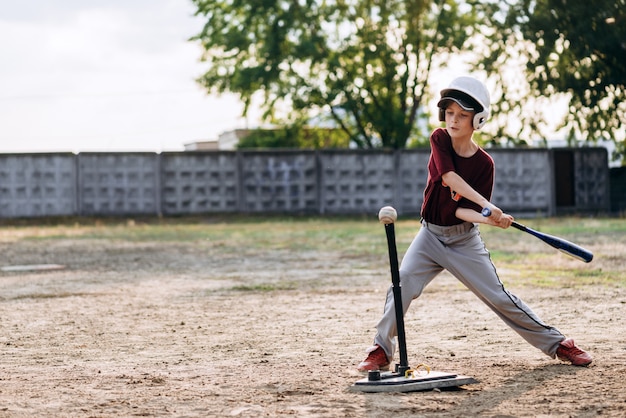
[(470, 215), (460, 186)]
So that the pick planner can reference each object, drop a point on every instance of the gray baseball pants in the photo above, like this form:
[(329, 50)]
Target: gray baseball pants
[(460, 250)]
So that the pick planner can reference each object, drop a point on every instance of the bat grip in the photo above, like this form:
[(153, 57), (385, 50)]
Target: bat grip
[(519, 226), (486, 212)]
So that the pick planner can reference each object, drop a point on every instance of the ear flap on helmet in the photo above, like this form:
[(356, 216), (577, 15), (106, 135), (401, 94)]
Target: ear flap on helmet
[(480, 118), (479, 121)]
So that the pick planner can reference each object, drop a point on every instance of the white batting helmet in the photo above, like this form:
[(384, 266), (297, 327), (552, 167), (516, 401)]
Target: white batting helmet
[(470, 94)]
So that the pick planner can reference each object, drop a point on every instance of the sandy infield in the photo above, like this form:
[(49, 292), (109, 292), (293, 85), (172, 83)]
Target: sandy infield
[(175, 329)]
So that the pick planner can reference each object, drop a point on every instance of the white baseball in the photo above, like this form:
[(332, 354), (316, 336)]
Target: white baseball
[(387, 215)]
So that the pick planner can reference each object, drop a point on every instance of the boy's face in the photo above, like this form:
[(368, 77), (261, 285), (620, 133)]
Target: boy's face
[(459, 122)]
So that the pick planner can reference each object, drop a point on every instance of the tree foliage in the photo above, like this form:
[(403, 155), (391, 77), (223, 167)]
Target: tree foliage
[(364, 64), (295, 136), (569, 47)]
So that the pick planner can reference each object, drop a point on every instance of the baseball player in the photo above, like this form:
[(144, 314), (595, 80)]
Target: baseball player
[(460, 184)]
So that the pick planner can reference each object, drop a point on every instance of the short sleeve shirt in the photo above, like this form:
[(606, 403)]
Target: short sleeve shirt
[(440, 203)]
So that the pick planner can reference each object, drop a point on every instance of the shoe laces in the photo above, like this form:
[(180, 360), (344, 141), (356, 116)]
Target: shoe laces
[(377, 356), (574, 350)]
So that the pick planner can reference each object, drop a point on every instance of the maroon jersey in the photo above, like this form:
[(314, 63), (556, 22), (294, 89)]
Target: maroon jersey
[(440, 203)]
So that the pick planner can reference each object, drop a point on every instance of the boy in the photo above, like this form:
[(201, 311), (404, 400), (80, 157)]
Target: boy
[(459, 187)]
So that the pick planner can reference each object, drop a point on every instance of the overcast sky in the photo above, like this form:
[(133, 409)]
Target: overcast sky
[(105, 75), (109, 75)]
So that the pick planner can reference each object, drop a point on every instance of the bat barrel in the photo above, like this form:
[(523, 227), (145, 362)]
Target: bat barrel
[(560, 244)]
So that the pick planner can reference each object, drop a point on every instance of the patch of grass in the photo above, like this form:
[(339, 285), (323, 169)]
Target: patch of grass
[(550, 275), (358, 239), (503, 256), (264, 287)]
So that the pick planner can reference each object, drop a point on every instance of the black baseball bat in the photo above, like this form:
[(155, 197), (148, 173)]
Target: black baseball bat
[(560, 244)]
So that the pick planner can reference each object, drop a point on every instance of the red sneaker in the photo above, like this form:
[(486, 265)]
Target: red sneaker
[(376, 360), (568, 351)]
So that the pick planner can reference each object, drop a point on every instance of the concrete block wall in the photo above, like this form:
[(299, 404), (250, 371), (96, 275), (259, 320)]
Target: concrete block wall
[(283, 181), (318, 182), (194, 183), (591, 179), (356, 182), (523, 181), (37, 185), (118, 183), (411, 178)]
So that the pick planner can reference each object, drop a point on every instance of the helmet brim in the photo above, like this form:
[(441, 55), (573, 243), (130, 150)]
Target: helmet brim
[(463, 99), (445, 102)]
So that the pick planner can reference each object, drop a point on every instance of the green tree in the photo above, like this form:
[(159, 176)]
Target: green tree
[(575, 48), (295, 136), (365, 64)]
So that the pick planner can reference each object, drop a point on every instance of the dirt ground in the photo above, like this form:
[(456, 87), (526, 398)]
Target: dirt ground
[(170, 329)]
